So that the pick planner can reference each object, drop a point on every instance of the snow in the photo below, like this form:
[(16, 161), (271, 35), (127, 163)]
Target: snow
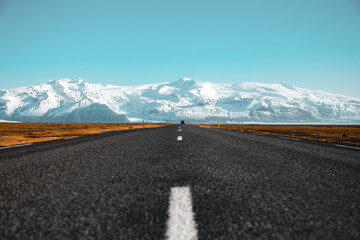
[(136, 120), (2, 120), (166, 90), (188, 99)]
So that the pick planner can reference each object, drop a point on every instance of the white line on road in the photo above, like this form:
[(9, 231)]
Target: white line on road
[(181, 223), (296, 139), (179, 130), (14, 146), (179, 138), (69, 138), (344, 146)]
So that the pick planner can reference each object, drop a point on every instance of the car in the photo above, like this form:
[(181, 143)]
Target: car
[(182, 122)]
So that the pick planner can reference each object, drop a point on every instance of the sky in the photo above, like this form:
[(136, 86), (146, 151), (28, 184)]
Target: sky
[(313, 44)]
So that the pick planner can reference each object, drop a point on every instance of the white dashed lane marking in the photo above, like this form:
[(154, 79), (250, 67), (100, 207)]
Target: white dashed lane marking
[(179, 130), (179, 138), (15, 146), (181, 223)]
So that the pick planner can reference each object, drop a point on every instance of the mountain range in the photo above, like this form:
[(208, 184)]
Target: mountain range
[(75, 100)]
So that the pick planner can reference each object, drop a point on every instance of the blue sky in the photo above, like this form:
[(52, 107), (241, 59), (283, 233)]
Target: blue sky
[(307, 43)]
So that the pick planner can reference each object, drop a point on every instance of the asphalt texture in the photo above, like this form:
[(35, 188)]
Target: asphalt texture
[(117, 185)]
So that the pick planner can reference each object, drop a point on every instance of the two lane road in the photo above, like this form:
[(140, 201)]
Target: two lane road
[(210, 184)]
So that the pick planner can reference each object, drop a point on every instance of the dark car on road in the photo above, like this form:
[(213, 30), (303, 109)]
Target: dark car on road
[(182, 122)]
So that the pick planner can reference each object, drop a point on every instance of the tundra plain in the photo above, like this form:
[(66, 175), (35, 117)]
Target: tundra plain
[(23, 133), (339, 134)]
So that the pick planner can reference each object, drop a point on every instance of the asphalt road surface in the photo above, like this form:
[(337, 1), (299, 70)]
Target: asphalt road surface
[(154, 184)]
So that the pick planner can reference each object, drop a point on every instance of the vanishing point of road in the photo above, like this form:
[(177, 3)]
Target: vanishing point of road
[(179, 182)]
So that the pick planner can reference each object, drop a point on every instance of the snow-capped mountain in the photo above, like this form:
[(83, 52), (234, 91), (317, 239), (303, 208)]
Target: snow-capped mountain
[(68, 100)]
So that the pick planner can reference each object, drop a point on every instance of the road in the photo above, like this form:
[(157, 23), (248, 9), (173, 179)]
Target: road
[(212, 183)]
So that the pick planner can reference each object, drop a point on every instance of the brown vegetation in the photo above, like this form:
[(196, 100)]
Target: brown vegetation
[(22, 133), (340, 134)]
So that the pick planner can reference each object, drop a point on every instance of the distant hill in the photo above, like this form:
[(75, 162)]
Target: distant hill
[(68, 100)]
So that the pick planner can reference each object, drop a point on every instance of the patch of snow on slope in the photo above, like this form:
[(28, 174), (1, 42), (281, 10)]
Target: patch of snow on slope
[(6, 121), (12, 102), (166, 90)]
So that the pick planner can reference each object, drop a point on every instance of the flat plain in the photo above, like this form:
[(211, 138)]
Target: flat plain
[(340, 134), (23, 133)]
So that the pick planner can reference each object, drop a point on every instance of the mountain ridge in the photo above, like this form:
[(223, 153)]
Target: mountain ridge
[(75, 100)]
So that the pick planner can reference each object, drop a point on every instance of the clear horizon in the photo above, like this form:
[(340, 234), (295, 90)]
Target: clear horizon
[(307, 44)]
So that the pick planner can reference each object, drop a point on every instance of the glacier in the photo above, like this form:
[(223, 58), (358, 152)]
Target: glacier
[(75, 100)]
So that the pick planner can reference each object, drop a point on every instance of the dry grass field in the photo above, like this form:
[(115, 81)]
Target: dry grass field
[(340, 134), (22, 133)]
